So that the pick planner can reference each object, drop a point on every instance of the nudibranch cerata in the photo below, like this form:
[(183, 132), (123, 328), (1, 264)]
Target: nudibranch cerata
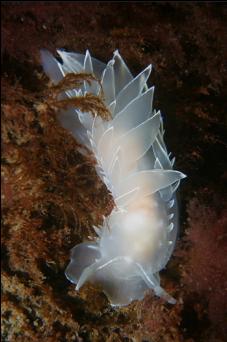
[(137, 239)]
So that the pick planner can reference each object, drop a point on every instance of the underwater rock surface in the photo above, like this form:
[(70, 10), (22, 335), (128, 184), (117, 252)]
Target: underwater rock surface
[(51, 194)]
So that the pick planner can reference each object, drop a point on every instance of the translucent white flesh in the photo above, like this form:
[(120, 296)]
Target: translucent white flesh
[(137, 239)]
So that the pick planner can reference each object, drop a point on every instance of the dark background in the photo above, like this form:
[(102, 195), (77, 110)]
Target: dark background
[(52, 196)]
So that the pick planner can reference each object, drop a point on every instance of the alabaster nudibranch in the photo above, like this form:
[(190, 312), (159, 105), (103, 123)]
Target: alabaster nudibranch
[(136, 240)]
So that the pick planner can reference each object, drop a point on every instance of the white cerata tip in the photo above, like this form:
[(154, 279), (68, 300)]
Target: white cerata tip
[(137, 239)]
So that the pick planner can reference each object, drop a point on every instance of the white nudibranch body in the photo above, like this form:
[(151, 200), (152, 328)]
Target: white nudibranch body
[(136, 240)]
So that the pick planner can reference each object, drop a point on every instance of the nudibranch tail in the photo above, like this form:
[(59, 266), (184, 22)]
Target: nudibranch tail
[(137, 239)]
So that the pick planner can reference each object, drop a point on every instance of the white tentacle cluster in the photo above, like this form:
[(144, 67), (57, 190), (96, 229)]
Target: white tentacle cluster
[(137, 239)]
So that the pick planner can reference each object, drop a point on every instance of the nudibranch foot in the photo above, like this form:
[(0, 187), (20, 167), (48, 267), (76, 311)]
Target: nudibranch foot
[(122, 279)]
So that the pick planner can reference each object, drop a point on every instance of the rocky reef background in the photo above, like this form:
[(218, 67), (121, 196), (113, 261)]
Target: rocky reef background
[(51, 195)]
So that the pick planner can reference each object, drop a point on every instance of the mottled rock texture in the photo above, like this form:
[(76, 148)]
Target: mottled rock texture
[(51, 195)]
